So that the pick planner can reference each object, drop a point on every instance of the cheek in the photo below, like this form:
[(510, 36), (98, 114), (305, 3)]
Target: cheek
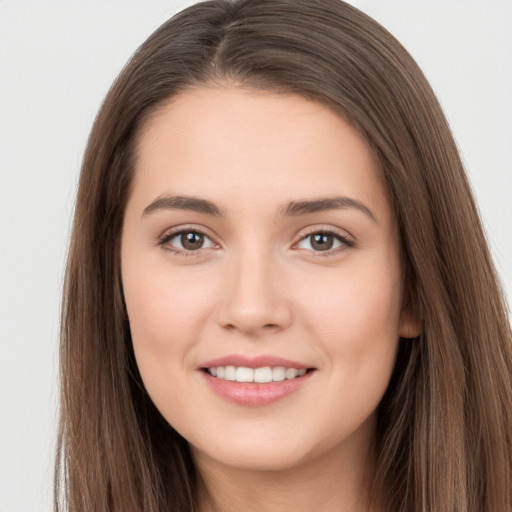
[(355, 318), (162, 306), (166, 316), (168, 310)]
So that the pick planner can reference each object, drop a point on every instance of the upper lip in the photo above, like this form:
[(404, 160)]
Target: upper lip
[(259, 361)]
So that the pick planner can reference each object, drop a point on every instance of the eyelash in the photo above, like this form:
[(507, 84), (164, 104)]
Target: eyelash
[(164, 242), (344, 242)]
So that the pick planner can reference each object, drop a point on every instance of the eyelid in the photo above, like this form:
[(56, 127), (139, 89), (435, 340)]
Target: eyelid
[(346, 240), (171, 233), (342, 236)]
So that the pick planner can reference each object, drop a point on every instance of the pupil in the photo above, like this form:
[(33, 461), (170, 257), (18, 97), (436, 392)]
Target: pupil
[(322, 242), (192, 241)]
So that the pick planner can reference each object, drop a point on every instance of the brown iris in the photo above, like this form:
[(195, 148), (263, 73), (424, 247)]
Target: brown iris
[(192, 241), (322, 241)]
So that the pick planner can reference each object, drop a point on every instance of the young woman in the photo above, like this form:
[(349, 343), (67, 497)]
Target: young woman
[(279, 295)]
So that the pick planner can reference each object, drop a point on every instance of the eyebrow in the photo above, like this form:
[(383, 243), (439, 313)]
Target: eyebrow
[(296, 208), (187, 203), (292, 209)]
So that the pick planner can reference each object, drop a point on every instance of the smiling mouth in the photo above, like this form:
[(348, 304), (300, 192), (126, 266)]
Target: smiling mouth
[(261, 375)]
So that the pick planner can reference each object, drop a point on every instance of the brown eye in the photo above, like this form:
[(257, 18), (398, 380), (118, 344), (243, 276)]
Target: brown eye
[(192, 241), (323, 241), (187, 241)]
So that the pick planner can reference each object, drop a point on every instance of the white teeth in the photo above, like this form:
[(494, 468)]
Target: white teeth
[(259, 375), (244, 374), (278, 373), (230, 373), (291, 373), (263, 374)]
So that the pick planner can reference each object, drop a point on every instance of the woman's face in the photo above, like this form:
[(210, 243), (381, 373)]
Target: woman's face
[(259, 245)]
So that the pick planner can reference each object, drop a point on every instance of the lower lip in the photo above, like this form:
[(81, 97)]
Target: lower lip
[(255, 394)]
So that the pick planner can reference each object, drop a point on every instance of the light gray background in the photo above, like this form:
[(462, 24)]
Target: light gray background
[(57, 60)]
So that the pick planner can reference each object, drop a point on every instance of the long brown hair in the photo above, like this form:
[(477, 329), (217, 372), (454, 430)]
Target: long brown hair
[(444, 430)]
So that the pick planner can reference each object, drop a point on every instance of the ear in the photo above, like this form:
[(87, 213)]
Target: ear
[(410, 325)]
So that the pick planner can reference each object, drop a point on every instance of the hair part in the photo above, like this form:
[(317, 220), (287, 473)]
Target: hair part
[(443, 439)]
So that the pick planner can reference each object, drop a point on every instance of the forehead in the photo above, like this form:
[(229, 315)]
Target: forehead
[(230, 142)]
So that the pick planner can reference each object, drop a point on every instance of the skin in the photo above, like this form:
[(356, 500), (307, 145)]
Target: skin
[(259, 286)]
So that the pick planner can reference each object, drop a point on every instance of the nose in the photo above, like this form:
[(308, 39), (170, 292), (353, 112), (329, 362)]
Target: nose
[(255, 301)]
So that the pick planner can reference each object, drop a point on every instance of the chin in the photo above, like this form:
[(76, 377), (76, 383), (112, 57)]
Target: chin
[(253, 456)]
